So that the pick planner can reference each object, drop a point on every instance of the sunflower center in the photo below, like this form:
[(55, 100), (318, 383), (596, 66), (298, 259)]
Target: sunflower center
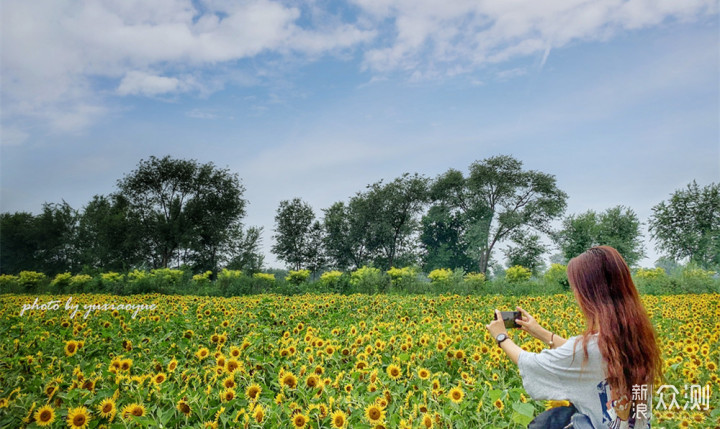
[(79, 420), (45, 416)]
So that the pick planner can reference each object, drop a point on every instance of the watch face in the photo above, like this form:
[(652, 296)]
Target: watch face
[(500, 337)]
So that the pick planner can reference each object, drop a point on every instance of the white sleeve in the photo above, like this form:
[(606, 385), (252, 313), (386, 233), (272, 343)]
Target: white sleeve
[(553, 373)]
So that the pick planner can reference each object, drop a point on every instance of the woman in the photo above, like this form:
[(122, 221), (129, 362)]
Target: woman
[(611, 383)]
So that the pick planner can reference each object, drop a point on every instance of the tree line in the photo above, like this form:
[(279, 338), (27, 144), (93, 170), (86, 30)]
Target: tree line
[(458, 220), (181, 213), (167, 212)]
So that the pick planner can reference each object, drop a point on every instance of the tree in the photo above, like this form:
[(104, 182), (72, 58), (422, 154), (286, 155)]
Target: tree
[(110, 235), (293, 222), (343, 245), (56, 239), (187, 211), (315, 258), (376, 226), (618, 227), (18, 242), (442, 239), (527, 252), (688, 225), (393, 210), (246, 254), (498, 198)]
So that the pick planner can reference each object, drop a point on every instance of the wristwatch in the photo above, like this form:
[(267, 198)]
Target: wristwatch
[(501, 337)]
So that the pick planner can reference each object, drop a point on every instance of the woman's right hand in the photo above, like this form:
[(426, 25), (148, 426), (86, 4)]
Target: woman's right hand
[(530, 325)]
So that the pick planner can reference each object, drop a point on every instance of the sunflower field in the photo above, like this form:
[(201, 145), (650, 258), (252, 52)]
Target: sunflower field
[(308, 361)]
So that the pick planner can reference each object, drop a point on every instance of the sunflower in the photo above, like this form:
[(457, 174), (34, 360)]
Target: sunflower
[(229, 382), (499, 404), (159, 378), (172, 365), (202, 353), (259, 413), (339, 419), (253, 391), (227, 395), (232, 365), (423, 373), (299, 420), (456, 394), (78, 418), (394, 371), (427, 421), (107, 408), (45, 415), (375, 414), (183, 407), (70, 348), (312, 381), (133, 410), (125, 364), (289, 379)]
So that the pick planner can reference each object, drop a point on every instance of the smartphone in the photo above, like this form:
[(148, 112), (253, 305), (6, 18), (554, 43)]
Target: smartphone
[(509, 318)]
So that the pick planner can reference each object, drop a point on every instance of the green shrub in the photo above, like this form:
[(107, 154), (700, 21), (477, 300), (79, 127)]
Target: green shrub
[(650, 273), (202, 279), (557, 275), (297, 277), (61, 282), (8, 282), (79, 282), (474, 281), (517, 273), (402, 279), (368, 280), (31, 280), (334, 281), (166, 279), (440, 275)]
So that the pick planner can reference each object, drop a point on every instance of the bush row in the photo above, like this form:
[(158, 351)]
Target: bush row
[(367, 280)]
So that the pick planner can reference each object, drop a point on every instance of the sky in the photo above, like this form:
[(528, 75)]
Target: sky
[(315, 99)]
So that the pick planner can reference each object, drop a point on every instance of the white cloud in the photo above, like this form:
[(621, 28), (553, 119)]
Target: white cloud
[(200, 114), (428, 34), (54, 53), (141, 83)]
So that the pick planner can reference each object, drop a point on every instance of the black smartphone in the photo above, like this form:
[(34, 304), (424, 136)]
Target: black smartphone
[(509, 318)]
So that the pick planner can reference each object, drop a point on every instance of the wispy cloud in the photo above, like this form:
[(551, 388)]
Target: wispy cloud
[(63, 61)]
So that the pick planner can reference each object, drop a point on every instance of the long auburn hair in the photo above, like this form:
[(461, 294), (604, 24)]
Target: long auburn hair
[(602, 284)]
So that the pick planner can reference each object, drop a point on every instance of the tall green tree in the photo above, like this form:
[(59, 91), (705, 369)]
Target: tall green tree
[(688, 225), (18, 242), (57, 227), (315, 258), (498, 198), (377, 226), (618, 227), (393, 211), (293, 223), (110, 235), (247, 255), (442, 239), (527, 250), (189, 212)]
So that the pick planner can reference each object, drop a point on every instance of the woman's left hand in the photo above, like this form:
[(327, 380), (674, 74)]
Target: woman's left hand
[(497, 326)]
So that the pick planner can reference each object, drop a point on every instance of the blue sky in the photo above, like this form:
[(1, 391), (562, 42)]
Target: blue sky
[(316, 99)]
